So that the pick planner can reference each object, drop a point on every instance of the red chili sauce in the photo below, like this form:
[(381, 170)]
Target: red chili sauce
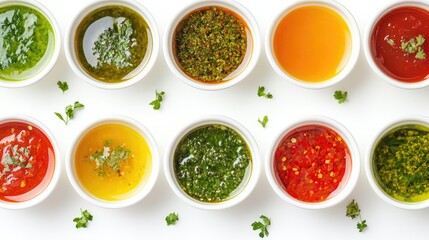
[(392, 44), (27, 161), (311, 161)]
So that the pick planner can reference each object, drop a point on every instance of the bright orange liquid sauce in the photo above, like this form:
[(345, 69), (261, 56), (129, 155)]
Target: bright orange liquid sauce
[(312, 43)]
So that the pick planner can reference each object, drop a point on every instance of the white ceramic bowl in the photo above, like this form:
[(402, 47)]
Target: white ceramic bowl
[(142, 190), (370, 169), (148, 61), (57, 164), (244, 189), (355, 39), (346, 185), (249, 62), (56, 51), (367, 44)]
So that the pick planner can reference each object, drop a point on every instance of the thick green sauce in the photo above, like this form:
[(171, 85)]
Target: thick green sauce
[(401, 163), (211, 163), (26, 42), (112, 43)]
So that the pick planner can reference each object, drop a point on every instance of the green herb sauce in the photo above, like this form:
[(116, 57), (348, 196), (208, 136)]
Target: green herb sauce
[(113, 43), (26, 42), (211, 43), (401, 163), (211, 163)]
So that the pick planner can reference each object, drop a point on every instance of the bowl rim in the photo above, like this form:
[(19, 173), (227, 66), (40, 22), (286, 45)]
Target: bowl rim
[(57, 43), (57, 162), (235, 7), (195, 124), (367, 43), (386, 128), (71, 32), (147, 186), (354, 153), (354, 49)]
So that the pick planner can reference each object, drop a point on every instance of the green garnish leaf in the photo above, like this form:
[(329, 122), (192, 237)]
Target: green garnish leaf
[(353, 211), (63, 86), (261, 93), (420, 54), (158, 99), (391, 42), (340, 96), (262, 226), (172, 218), (110, 158), (69, 112), (264, 121), (415, 46), (82, 221), (114, 45)]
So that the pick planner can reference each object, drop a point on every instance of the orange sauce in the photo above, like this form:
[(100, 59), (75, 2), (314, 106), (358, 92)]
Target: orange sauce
[(312, 43)]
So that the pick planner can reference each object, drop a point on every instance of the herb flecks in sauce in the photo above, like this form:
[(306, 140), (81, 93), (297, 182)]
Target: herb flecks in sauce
[(112, 43), (401, 162), (26, 41), (110, 159), (211, 163), (210, 44)]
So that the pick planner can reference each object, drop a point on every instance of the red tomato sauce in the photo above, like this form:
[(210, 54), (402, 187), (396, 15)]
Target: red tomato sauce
[(396, 27), (27, 161), (311, 161)]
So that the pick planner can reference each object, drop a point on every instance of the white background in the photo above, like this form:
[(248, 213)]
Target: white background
[(372, 103)]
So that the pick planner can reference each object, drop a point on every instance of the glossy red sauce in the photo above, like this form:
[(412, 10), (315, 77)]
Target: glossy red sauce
[(311, 161), (400, 25), (27, 161)]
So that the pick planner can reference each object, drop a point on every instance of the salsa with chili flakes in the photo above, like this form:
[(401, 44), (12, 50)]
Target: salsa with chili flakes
[(311, 161), (27, 161)]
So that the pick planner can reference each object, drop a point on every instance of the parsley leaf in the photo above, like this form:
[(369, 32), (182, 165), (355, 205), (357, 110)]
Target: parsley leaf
[(81, 222), (353, 211), (391, 42), (264, 121), (69, 111), (261, 93), (415, 45), (110, 158), (158, 99), (63, 86), (340, 96), (262, 226), (172, 218)]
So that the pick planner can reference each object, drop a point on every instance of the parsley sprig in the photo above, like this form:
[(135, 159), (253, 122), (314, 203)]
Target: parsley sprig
[(340, 96), (158, 99), (264, 121), (353, 211), (262, 93), (110, 158), (262, 226), (172, 218), (415, 45), (82, 221), (69, 111), (63, 86)]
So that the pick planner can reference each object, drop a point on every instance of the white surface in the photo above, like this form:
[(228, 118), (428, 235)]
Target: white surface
[(372, 103)]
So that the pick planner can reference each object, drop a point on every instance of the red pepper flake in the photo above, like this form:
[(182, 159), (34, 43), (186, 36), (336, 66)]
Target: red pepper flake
[(308, 159)]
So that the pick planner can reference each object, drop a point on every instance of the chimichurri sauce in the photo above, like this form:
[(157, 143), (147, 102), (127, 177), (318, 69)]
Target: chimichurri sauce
[(401, 163), (112, 43), (26, 42), (211, 163)]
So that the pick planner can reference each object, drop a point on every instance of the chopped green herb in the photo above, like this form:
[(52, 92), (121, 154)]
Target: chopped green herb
[(391, 42), (158, 99), (340, 96), (19, 158), (415, 46), (264, 121), (69, 111), (172, 218), (63, 86), (353, 211), (261, 93), (110, 158), (262, 226), (82, 222)]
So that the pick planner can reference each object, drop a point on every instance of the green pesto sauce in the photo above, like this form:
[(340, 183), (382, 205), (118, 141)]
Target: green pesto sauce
[(112, 43), (26, 42), (210, 44), (401, 163), (211, 163)]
